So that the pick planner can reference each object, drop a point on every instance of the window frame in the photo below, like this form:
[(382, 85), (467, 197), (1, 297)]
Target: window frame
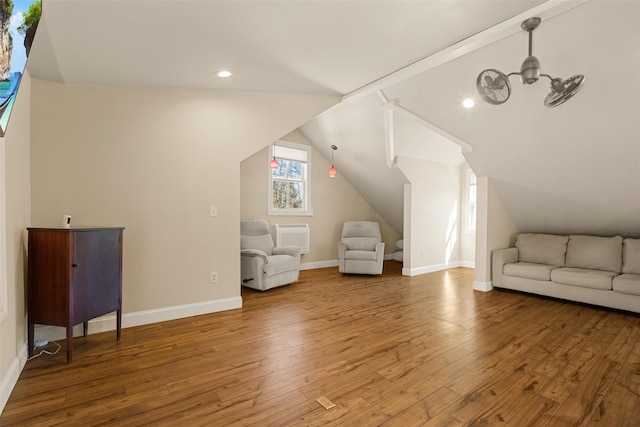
[(307, 209)]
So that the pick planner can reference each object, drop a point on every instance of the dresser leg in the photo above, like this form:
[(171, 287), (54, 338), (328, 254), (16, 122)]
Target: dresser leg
[(30, 334), (85, 328), (118, 323), (69, 344)]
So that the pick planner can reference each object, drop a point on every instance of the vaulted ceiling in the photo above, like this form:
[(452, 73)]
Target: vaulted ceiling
[(575, 168)]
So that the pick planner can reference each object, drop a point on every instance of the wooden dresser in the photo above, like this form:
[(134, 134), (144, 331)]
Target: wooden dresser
[(74, 275)]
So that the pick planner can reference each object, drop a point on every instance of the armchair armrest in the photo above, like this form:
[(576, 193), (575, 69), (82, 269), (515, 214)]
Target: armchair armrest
[(287, 250), (254, 253), (499, 258)]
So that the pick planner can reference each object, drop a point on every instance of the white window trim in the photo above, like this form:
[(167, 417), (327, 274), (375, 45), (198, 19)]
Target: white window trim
[(290, 212), (467, 205)]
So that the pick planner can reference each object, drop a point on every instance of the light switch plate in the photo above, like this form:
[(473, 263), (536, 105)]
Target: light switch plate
[(213, 210)]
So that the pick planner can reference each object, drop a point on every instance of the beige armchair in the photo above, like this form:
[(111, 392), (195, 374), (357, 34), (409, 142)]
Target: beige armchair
[(265, 266), (360, 250)]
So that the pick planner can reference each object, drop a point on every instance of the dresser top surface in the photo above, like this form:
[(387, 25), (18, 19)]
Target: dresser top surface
[(73, 228)]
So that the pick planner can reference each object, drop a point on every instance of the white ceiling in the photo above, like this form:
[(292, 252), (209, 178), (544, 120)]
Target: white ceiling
[(354, 48), (324, 47)]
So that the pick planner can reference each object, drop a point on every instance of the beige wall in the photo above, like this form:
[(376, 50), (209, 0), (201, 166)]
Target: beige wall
[(333, 199), (153, 161), (17, 216), (495, 230), (432, 215)]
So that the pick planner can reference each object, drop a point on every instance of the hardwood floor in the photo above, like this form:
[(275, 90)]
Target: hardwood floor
[(386, 350)]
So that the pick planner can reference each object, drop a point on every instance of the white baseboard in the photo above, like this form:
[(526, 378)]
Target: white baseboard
[(318, 264), (108, 323), (432, 268), (468, 264), (11, 376), (482, 286), (330, 263)]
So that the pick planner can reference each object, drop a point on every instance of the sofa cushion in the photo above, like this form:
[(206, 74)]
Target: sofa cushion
[(542, 248), (360, 255), (594, 279), (631, 256), (595, 253), (627, 284), (528, 270)]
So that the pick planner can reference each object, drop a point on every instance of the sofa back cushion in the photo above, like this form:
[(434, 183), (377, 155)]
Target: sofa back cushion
[(542, 248), (631, 256), (595, 253)]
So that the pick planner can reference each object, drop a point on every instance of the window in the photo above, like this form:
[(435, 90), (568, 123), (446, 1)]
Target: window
[(472, 187), (289, 183)]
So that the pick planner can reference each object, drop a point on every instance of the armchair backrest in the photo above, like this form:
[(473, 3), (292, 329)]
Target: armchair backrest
[(361, 235), (254, 234)]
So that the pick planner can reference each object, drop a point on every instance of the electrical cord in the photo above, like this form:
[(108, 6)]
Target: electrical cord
[(46, 352)]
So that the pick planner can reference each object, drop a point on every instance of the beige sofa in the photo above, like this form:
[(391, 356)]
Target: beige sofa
[(603, 271)]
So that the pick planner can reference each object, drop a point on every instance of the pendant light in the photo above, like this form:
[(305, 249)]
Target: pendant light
[(274, 161), (332, 170)]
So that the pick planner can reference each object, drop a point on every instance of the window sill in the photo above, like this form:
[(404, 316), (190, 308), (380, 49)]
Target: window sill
[(290, 213)]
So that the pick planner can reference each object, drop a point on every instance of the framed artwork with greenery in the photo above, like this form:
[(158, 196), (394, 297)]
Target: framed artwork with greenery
[(18, 23)]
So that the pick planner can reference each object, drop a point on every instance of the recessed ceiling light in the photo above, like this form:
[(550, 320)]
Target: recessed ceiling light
[(224, 74), (468, 103)]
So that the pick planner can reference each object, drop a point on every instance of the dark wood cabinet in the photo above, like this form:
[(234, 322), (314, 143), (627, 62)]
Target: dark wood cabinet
[(74, 275)]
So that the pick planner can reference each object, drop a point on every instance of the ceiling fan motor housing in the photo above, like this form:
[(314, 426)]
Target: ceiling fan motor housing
[(557, 85), (530, 70)]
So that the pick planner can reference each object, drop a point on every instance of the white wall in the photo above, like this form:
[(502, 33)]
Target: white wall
[(334, 201), (15, 170), (153, 161), (432, 216), (467, 237)]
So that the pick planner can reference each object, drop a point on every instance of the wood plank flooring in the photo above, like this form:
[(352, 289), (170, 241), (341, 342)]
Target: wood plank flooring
[(387, 350)]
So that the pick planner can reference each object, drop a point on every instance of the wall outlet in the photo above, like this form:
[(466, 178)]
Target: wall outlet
[(41, 343), (214, 277), (422, 252), (213, 210)]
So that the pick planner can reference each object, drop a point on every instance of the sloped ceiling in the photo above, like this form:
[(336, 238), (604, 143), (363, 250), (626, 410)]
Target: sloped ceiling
[(570, 169), (323, 47), (575, 168)]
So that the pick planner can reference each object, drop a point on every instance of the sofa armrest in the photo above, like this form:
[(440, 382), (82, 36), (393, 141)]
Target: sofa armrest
[(379, 257), (342, 249), (287, 250), (254, 253), (499, 258)]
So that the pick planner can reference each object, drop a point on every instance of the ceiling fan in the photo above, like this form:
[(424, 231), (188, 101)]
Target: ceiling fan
[(494, 87)]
